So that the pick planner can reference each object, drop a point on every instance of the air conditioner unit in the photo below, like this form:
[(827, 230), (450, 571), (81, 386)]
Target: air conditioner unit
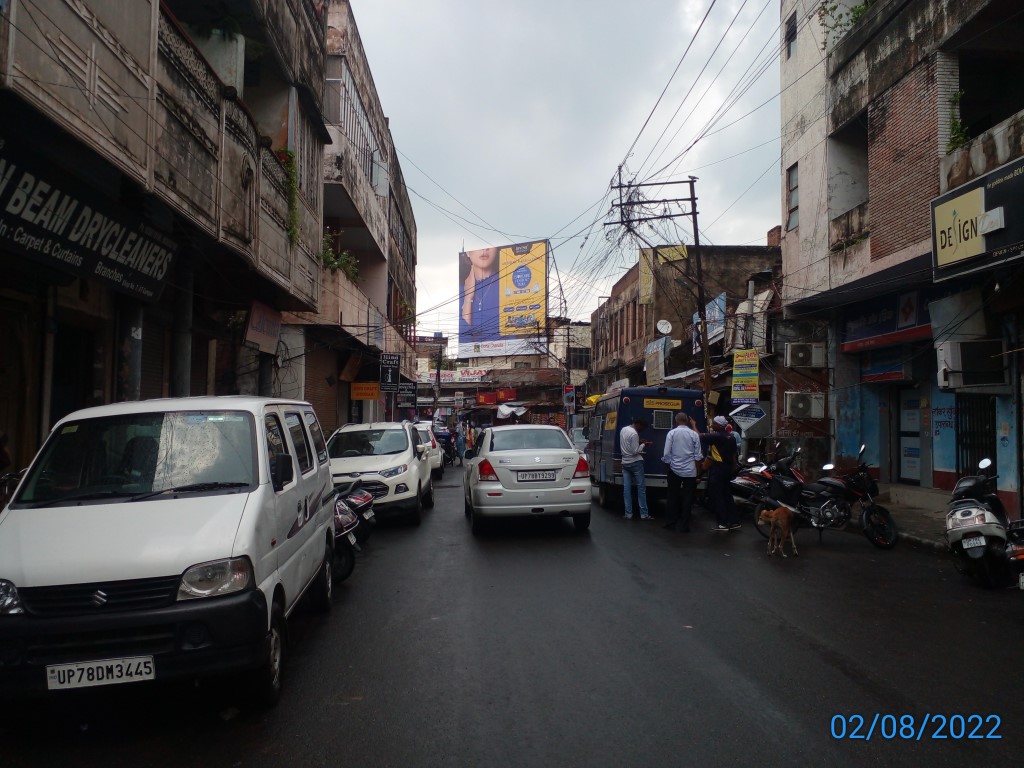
[(805, 405), (976, 363), (805, 355)]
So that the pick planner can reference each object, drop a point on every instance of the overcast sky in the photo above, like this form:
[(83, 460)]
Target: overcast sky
[(515, 116)]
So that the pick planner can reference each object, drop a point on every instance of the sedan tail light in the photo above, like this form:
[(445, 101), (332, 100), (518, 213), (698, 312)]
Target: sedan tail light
[(582, 468), (433, 442), (487, 471)]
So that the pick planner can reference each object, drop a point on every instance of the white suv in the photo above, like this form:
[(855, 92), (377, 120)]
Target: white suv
[(391, 460), (434, 450)]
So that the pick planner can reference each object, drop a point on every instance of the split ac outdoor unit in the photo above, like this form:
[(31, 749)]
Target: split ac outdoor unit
[(805, 355), (977, 363), (805, 405)]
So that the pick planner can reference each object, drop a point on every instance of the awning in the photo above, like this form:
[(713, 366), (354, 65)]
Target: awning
[(507, 411), (906, 276), (696, 375)]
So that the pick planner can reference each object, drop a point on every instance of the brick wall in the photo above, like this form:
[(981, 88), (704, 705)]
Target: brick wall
[(903, 161), (320, 364)]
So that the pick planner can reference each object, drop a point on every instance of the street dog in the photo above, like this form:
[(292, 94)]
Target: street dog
[(781, 522)]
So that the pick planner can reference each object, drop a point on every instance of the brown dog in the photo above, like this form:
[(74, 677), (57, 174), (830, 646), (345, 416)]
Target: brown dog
[(781, 521)]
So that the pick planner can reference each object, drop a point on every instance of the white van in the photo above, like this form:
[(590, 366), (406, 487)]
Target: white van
[(165, 539)]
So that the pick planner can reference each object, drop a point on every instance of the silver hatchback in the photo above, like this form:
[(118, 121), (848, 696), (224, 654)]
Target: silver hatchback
[(527, 470)]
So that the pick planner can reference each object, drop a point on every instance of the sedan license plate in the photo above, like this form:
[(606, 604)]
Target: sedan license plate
[(544, 474), (970, 542), (86, 674)]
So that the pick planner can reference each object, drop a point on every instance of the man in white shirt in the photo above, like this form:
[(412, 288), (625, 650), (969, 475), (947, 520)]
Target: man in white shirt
[(632, 449), (682, 454)]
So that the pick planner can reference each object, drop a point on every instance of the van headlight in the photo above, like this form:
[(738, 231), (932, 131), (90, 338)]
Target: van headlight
[(10, 603), (221, 577), (394, 471)]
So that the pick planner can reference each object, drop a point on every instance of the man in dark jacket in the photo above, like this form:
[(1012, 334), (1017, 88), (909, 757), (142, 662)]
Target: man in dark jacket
[(719, 446)]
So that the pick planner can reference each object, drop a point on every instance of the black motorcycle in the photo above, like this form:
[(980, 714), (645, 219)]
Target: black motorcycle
[(828, 503)]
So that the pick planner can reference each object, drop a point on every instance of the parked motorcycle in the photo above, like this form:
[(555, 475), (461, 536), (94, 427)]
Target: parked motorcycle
[(987, 546), (751, 483), (828, 503)]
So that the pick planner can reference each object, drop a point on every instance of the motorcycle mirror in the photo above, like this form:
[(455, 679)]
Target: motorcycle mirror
[(862, 448), (796, 451), (984, 463), (751, 459), (828, 467)]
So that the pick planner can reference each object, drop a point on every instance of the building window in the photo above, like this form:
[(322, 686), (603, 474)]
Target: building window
[(793, 197), (579, 358), (790, 35), (520, 365)]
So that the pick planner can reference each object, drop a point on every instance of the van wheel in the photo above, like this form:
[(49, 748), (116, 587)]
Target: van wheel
[(322, 593), (428, 500), (606, 496), (265, 687)]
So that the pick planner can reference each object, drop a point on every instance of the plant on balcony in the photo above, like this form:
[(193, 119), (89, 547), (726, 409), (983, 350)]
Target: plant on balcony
[(287, 158), (958, 136), (836, 20), (344, 261)]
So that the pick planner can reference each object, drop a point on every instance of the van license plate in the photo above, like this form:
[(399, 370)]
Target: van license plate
[(86, 674), (526, 477), (970, 542)]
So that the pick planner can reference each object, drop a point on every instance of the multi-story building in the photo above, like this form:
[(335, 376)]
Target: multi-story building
[(661, 289), (160, 199), (368, 248), (901, 144)]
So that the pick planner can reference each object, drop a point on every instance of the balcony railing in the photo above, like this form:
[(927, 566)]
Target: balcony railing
[(849, 228)]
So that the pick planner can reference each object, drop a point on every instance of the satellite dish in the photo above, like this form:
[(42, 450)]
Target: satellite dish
[(664, 326)]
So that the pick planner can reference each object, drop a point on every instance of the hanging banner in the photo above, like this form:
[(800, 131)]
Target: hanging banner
[(745, 376)]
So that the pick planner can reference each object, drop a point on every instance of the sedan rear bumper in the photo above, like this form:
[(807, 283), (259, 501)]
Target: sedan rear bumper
[(493, 500)]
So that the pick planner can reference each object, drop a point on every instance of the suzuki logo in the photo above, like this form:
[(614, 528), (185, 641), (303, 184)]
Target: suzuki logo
[(537, 459), (99, 598)]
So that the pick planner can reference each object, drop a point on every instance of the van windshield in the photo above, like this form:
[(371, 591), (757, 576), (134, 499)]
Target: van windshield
[(142, 453)]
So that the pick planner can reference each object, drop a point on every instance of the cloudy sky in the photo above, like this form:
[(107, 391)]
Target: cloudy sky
[(511, 119)]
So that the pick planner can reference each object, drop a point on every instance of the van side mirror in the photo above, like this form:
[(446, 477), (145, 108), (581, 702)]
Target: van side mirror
[(282, 471)]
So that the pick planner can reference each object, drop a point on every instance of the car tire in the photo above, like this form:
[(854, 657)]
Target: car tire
[(428, 499), (476, 523), (265, 684), (581, 522), (416, 516), (322, 591), (466, 506)]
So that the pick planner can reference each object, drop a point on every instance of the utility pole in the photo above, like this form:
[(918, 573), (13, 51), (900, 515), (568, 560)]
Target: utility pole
[(437, 383), (629, 223)]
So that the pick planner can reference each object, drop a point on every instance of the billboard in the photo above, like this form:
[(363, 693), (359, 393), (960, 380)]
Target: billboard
[(503, 300)]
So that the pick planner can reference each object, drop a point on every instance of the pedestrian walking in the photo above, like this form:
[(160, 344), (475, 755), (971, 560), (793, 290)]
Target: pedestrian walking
[(460, 443), (632, 449), (719, 446), (682, 454)]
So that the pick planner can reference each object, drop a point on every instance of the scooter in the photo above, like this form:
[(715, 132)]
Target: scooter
[(345, 541), (359, 501), (986, 545)]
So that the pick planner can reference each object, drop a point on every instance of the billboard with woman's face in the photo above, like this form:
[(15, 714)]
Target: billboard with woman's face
[(503, 299)]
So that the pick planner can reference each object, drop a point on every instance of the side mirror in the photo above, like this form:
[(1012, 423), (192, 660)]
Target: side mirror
[(282, 471), (828, 467), (421, 449), (862, 448), (751, 459), (984, 463)]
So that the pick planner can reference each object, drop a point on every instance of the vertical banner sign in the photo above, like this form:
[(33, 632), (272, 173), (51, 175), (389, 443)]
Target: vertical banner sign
[(649, 260), (745, 375), (389, 364)]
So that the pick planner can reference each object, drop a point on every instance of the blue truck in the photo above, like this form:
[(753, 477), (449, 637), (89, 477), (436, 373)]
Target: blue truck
[(657, 406)]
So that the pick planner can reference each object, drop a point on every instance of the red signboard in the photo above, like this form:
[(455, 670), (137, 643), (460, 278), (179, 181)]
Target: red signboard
[(505, 394), (487, 398)]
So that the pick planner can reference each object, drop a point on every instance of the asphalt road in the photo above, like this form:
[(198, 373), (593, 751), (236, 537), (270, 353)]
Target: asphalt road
[(627, 645)]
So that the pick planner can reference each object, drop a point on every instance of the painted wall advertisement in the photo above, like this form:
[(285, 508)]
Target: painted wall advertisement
[(714, 313), (503, 297), (665, 254)]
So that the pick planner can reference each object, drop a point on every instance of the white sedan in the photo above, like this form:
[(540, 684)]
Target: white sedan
[(527, 470)]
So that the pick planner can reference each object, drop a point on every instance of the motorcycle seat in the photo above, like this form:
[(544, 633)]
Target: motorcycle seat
[(817, 488)]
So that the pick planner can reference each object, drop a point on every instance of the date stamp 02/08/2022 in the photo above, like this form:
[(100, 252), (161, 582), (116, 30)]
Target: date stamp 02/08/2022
[(916, 728)]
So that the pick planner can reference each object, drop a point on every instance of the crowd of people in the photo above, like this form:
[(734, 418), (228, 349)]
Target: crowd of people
[(687, 453)]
